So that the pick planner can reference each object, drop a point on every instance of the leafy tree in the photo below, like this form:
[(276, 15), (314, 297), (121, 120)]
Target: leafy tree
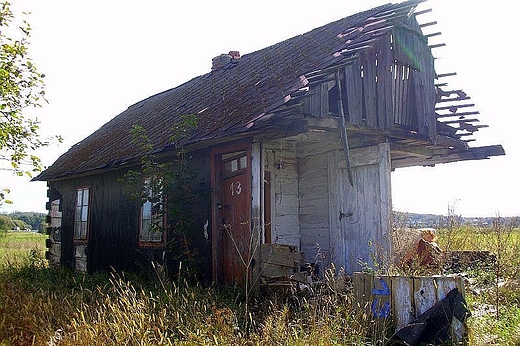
[(6, 223), (177, 190), (32, 220), (21, 225), (21, 87)]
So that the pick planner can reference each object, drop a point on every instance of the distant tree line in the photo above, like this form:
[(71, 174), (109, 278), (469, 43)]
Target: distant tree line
[(413, 220), (22, 220)]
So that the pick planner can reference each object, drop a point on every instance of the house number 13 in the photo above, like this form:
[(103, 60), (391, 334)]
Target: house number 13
[(235, 188)]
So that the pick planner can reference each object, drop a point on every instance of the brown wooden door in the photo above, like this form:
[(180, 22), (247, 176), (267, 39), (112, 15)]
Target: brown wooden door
[(232, 239)]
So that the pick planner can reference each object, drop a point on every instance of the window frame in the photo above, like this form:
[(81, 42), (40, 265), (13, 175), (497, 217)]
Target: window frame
[(147, 206), (84, 221)]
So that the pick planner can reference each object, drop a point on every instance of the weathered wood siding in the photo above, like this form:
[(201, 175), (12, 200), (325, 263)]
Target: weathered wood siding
[(113, 220), (114, 224), (314, 209), (390, 86), (280, 160), (359, 214), (406, 297), (364, 230)]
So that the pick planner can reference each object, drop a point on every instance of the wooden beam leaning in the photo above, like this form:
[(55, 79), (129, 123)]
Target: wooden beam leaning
[(343, 125)]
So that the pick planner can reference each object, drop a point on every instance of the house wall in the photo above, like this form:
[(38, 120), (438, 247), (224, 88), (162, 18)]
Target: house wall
[(112, 221), (340, 223), (114, 224), (314, 207), (390, 87), (315, 211), (281, 163), (360, 224)]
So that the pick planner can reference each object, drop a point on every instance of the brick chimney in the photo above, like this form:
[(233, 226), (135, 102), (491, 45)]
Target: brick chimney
[(223, 61)]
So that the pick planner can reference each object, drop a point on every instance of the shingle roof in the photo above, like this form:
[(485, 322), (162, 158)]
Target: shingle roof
[(224, 100)]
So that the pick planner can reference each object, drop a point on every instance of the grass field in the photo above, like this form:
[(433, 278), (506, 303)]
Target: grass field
[(18, 244), (42, 305)]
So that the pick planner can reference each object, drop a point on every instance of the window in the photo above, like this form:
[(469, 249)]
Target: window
[(81, 216), (234, 163), (151, 228)]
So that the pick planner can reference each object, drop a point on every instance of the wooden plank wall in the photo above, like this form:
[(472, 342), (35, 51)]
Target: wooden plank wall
[(280, 160), (366, 205), (318, 103), (114, 224), (310, 191), (406, 297), (413, 56), (314, 209), (354, 93), (393, 83)]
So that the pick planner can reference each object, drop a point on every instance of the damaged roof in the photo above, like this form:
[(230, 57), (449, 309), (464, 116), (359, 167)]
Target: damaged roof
[(227, 100)]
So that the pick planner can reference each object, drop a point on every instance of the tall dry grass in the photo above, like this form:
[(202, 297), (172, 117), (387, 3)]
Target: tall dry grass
[(41, 305)]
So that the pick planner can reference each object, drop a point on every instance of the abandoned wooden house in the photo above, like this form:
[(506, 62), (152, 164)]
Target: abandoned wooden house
[(294, 145)]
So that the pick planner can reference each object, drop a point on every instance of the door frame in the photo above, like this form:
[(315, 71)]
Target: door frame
[(216, 171)]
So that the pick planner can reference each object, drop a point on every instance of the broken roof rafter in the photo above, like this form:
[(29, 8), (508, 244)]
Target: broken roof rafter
[(461, 115), (406, 8)]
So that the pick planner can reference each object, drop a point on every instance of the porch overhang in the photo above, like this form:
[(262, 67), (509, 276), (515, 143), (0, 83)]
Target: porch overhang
[(407, 147)]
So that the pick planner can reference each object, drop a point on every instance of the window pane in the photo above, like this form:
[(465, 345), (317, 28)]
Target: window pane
[(81, 214), (243, 162), (85, 196), (80, 197), (145, 230), (234, 166), (151, 225), (157, 236), (77, 217), (84, 213), (146, 211), (83, 234), (227, 167), (77, 229)]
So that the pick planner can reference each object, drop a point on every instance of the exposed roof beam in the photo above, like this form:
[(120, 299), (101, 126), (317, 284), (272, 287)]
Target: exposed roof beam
[(428, 24), (459, 121), (433, 34), (428, 10), (454, 107), (478, 153), (449, 74), (396, 147), (462, 114), (437, 45)]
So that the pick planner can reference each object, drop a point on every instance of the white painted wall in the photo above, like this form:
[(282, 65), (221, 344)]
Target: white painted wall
[(363, 235), (280, 160), (314, 209), (310, 190)]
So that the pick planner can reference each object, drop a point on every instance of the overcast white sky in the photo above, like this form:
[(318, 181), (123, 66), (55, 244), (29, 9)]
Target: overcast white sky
[(100, 57)]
